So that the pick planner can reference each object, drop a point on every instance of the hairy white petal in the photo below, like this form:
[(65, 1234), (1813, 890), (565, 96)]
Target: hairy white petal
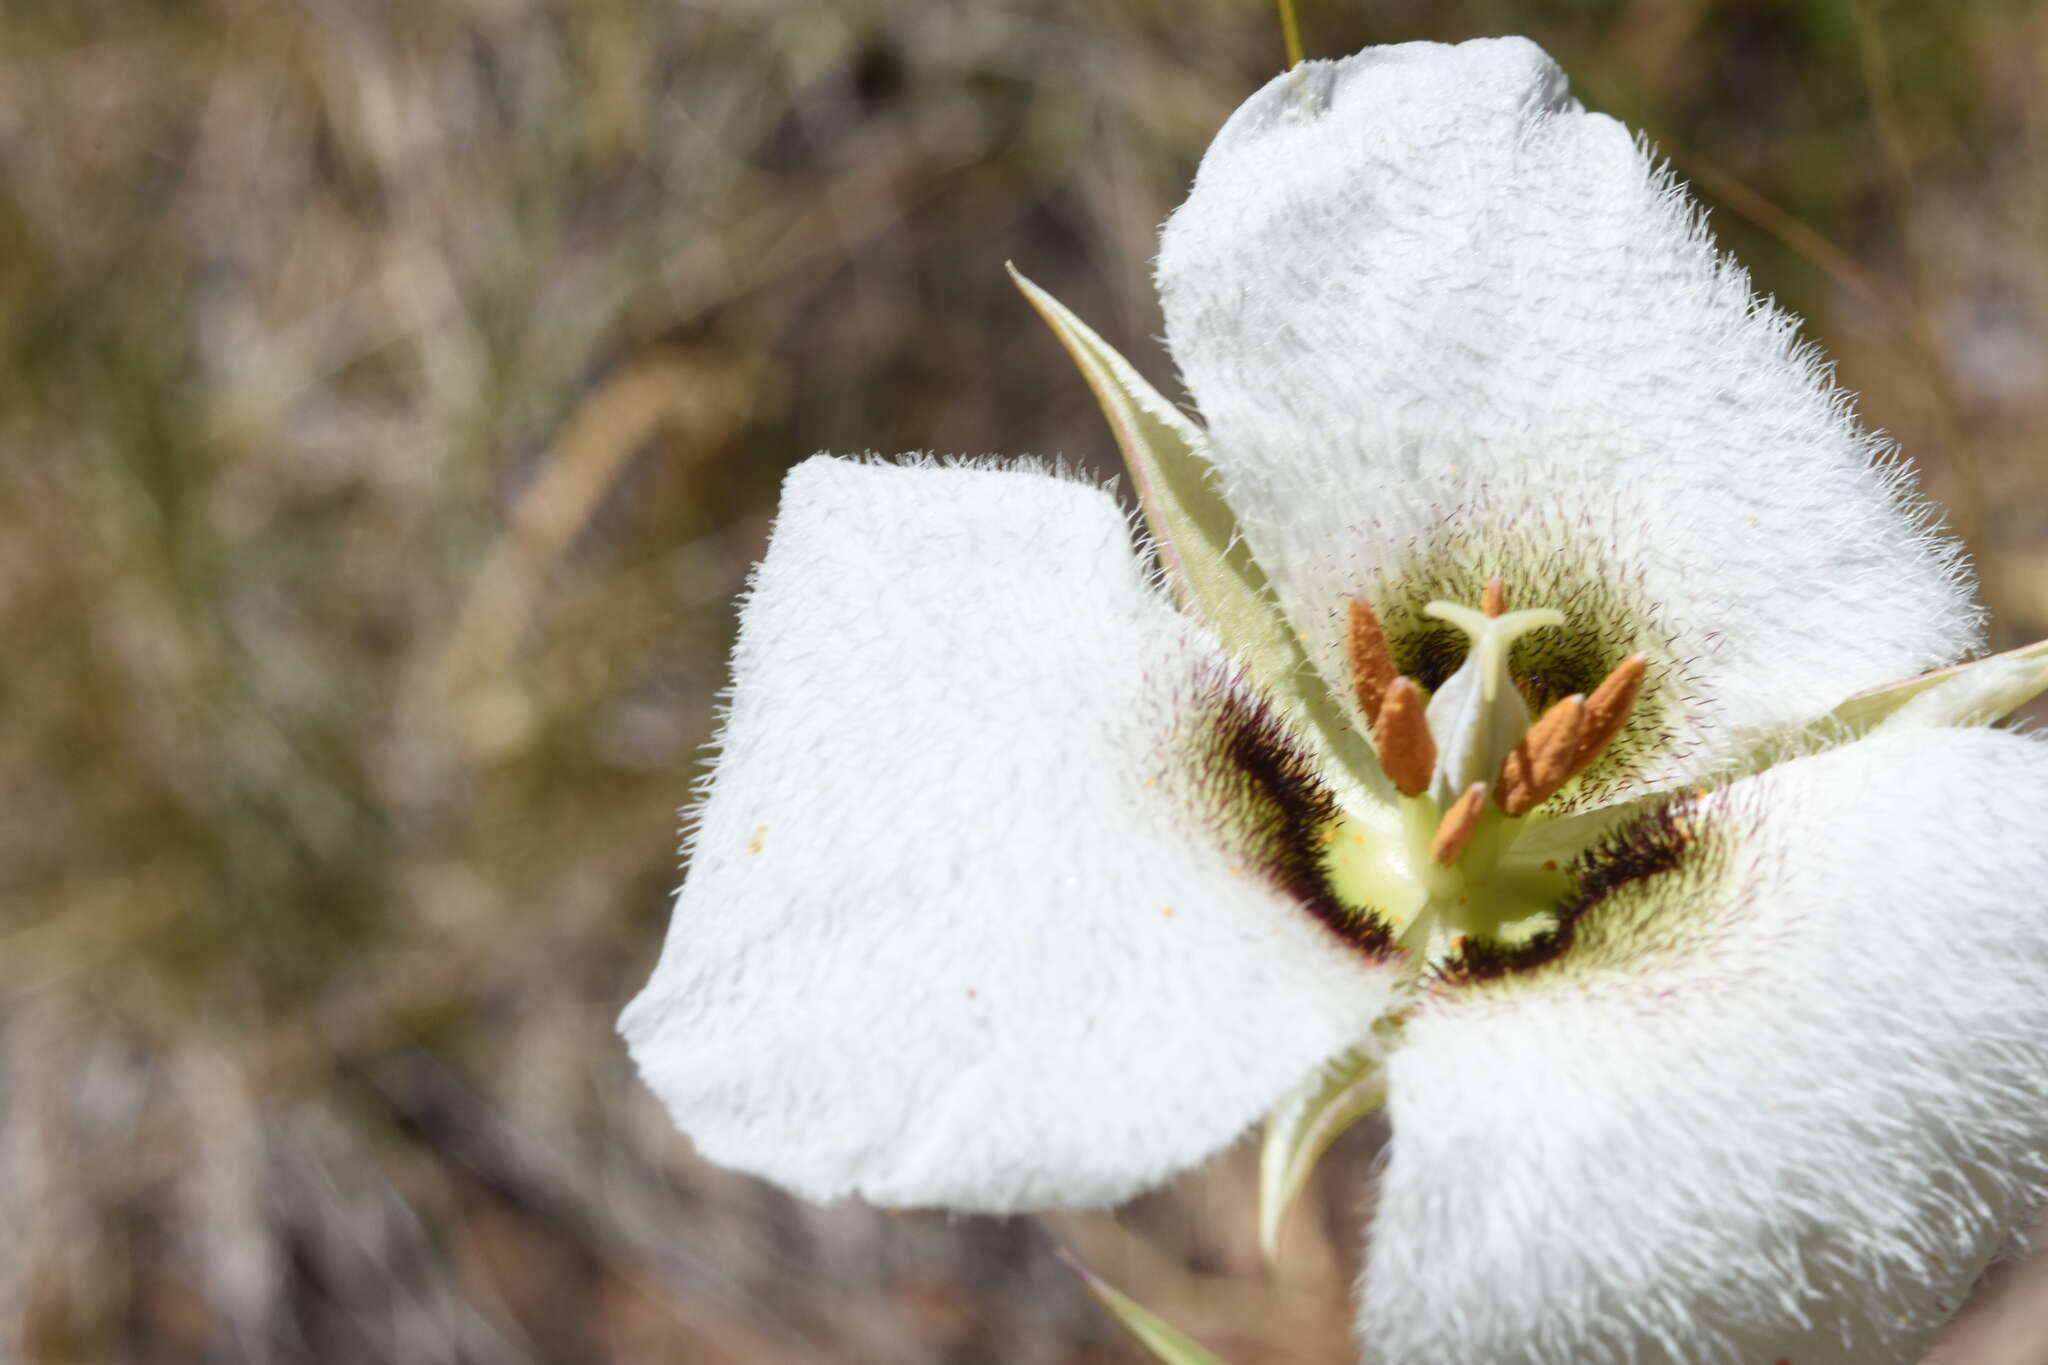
[(952, 932), (1445, 325), (1780, 1101)]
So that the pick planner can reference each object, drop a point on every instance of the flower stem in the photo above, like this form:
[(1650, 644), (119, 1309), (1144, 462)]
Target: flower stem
[(1290, 33)]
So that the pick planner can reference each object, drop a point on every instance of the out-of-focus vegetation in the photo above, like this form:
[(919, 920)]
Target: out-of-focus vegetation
[(394, 395)]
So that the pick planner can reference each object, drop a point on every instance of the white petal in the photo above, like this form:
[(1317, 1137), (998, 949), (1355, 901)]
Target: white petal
[(1444, 325), (955, 930), (1780, 1101)]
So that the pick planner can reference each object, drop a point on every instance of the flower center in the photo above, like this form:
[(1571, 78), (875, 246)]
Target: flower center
[(1472, 766)]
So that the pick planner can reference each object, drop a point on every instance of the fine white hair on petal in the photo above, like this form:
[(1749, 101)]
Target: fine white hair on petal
[(1782, 1099), (952, 933), (1442, 323)]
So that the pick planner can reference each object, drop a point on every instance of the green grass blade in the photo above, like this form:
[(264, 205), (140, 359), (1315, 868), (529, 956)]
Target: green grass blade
[(1165, 1342)]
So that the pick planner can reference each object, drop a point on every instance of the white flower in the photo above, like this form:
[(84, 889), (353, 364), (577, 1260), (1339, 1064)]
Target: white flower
[(1018, 884)]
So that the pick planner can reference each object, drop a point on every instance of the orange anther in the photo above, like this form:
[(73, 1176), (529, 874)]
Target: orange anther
[(1542, 762), (1454, 831), (1494, 600), (1372, 663), (1607, 711), (1407, 748)]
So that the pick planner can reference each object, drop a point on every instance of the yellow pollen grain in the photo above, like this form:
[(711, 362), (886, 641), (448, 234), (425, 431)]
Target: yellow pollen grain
[(1454, 831), (1407, 748), (1542, 762), (758, 840)]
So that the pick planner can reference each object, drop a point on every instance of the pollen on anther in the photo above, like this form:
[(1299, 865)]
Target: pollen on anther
[(1542, 762), (1454, 831), (1372, 662), (1401, 733), (1607, 710)]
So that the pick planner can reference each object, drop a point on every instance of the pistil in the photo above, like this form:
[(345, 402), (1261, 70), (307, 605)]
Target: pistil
[(1478, 715)]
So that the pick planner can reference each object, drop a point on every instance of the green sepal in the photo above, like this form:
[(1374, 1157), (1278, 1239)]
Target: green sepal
[(1302, 1128), (1160, 1338), (1207, 562), (1211, 571), (1980, 692), (1976, 693)]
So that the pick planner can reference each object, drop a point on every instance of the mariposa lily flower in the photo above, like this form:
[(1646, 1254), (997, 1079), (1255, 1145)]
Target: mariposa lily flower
[(1510, 737)]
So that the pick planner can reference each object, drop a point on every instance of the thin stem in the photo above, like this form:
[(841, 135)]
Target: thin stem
[(1290, 33)]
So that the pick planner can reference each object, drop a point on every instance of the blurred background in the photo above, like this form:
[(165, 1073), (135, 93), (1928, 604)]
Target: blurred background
[(394, 396)]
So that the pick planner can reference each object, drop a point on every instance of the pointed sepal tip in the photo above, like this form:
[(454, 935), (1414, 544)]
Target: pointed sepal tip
[(1161, 1339)]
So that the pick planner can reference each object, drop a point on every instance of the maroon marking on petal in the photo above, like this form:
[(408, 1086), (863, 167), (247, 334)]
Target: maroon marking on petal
[(1649, 846), (1272, 811)]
